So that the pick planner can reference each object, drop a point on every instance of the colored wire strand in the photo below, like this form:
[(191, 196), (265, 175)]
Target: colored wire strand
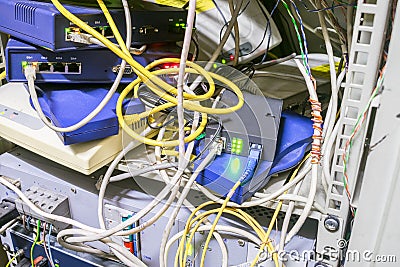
[(35, 241), (11, 260), (332, 7), (269, 26), (303, 35), (298, 36), (360, 120)]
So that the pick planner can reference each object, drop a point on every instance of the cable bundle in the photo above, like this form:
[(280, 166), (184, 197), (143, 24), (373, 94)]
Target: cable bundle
[(317, 136), (184, 99)]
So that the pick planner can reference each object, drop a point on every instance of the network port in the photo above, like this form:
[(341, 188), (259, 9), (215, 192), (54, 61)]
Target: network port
[(99, 30), (106, 31), (55, 67), (44, 67), (59, 67), (127, 71), (74, 68), (70, 30)]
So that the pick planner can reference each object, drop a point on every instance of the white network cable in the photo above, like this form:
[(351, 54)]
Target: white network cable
[(182, 160), (218, 50), (85, 38), (286, 220), (332, 68), (30, 74), (314, 167), (164, 175), (330, 137)]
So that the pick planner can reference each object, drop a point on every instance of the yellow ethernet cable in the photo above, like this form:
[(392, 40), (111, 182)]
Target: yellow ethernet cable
[(152, 81)]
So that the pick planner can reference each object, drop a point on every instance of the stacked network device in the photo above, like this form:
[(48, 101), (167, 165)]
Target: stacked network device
[(72, 77)]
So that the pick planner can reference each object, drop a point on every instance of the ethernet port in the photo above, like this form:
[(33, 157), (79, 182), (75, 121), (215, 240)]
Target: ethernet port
[(70, 30), (59, 67), (74, 68), (44, 67), (98, 29), (108, 33)]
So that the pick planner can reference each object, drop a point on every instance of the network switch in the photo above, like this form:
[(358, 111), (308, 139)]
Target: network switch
[(153, 23), (41, 24), (78, 65)]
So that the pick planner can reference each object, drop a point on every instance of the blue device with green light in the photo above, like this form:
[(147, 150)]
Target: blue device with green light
[(249, 138), (284, 138), (222, 174)]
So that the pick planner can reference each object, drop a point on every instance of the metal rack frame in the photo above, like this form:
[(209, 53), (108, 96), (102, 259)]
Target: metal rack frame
[(377, 212), (364, 61)]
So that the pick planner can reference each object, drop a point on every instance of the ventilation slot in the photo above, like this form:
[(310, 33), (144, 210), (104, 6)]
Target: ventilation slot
[(25, 13)]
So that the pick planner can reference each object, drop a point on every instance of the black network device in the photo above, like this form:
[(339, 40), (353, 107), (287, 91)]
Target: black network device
[(154, 23)]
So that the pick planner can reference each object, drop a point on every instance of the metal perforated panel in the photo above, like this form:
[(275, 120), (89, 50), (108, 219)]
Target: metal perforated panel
[(364, 61)]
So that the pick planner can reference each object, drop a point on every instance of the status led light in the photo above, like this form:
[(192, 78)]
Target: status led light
[(234, 165)]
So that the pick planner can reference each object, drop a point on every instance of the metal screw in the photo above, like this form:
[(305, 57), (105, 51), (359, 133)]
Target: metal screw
[(331, 224), (241, 242)]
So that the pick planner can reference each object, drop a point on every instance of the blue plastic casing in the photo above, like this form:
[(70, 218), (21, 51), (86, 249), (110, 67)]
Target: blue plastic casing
[(226, 169), (65, 105), (294, 138), (41, 24), (96, 65)]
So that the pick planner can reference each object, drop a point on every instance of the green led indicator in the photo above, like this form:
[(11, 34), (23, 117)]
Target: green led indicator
[(183, 25), (177, 24), (201, 136), (24, 64), (223, 61), (215, 65), (234, 141), (239, 141), (234, 166)]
